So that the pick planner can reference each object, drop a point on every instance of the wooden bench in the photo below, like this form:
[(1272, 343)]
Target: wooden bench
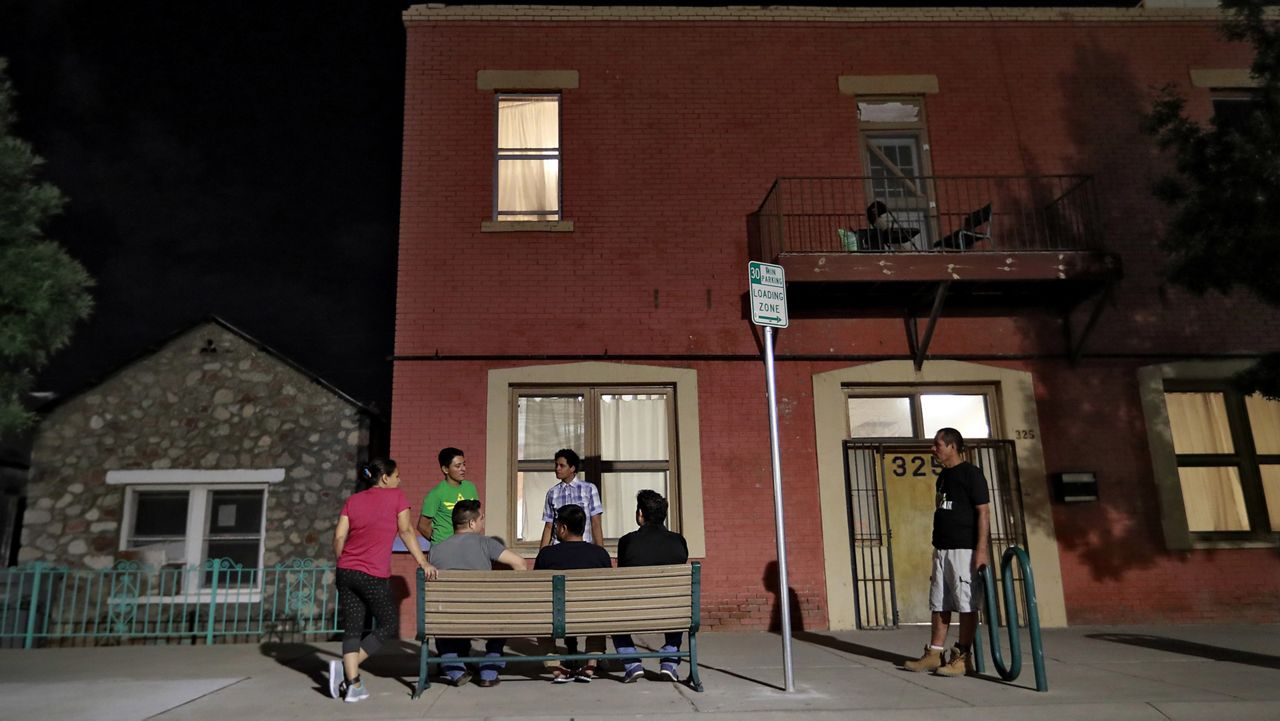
[(540, 604)]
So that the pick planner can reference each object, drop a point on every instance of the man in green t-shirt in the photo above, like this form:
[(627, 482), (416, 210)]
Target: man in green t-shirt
[(436, 521)]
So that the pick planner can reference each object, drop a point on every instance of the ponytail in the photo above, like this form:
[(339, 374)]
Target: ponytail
[(373, 471)]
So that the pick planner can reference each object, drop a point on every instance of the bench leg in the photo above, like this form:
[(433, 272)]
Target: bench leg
[(423, 655), (695, 683)]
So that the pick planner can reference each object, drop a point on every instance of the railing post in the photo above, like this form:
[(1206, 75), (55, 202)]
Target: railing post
[(213, 602), (30, 639)]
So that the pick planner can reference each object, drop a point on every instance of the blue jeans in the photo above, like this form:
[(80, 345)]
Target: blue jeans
[(455, 647), (622, 643)]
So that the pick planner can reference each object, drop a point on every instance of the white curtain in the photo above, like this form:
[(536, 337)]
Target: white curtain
[(1213, 499), (1199, 422), (529, 127), (633, 427), (545, 424)]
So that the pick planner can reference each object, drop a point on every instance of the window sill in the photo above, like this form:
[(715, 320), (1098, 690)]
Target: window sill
[(1224, 545), (526, 226)]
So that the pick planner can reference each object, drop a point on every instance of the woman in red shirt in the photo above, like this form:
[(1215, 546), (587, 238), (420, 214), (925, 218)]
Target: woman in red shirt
[(370, 521)]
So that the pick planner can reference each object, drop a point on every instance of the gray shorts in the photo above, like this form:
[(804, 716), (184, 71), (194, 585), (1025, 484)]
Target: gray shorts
[(951, 586)]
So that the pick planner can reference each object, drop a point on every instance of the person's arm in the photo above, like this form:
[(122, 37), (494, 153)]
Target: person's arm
[(512, 560), (430, 504), (597, 535), (410, 539), (546, 535), (340, 535), (982, 554)]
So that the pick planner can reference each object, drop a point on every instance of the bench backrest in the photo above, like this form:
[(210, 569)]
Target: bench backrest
[(470, 604)]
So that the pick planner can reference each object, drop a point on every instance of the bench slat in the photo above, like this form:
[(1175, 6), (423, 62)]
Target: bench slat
[(675, 571)]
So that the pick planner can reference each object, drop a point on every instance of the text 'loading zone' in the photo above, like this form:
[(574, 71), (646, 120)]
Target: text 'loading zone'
[(768, 294)]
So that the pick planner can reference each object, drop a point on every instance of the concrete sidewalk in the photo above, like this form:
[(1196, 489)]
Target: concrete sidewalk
[(1138, 673)]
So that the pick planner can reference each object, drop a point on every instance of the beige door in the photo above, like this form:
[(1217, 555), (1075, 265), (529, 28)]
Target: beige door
[(910, 486)]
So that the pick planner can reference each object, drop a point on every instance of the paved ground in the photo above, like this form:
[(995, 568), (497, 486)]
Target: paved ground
[(1129, 673)]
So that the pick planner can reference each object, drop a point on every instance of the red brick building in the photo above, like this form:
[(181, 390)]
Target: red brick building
[(961, 201)]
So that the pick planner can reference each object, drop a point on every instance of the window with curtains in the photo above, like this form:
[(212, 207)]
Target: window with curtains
[(1228, 451), (527, 165), (625, 436)]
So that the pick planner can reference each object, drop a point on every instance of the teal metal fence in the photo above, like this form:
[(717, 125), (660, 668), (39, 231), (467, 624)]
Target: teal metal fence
[(218, 600)]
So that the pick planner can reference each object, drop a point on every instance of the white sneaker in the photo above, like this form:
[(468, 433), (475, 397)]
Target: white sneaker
[(336, 677), (356, 693)]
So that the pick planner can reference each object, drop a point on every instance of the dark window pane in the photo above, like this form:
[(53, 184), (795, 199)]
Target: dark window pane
[(160, 513), (1231, 113), (235, 512), (244, 553)]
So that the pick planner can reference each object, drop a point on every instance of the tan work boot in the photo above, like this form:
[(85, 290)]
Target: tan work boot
[(961, 664), (930, 661)]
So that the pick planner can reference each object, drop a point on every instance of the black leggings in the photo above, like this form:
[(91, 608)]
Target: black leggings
[(358, 595)]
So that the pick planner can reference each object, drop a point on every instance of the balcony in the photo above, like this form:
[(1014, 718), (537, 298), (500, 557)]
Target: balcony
[(976, 229), (894, 244)]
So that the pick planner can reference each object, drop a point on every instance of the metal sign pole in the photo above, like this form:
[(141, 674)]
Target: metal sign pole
[(784, 595)]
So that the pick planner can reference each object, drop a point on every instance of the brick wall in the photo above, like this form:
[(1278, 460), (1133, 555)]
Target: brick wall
[(675, 134)]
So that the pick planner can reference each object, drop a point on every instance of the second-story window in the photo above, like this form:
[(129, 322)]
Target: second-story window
[(527, 166)]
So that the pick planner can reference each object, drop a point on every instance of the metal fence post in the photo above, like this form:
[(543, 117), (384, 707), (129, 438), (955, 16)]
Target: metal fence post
[(213, 601), (30, 639)]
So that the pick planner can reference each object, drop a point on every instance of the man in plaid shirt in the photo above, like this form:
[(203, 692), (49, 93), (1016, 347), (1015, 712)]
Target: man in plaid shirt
[(571, 490)]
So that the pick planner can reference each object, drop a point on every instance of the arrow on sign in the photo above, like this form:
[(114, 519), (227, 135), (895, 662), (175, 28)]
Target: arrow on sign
[(770, 318)]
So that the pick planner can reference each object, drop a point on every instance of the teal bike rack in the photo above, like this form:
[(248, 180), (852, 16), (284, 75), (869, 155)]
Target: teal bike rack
[(1011, 672)]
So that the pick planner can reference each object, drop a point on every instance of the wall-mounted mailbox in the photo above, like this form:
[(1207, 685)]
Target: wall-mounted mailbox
[(1075, 486)]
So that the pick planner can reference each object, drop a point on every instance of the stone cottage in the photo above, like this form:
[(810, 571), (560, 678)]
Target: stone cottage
[(210, 446)]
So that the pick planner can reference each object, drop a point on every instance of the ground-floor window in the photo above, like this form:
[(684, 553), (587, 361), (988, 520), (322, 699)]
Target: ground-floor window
[(1227, 447), (184, 526), (626, 436)]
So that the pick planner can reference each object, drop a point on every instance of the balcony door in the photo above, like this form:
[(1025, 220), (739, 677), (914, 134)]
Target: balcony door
[(894, 150)]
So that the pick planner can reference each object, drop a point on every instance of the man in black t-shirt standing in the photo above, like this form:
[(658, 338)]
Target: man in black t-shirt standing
[(572, 552), (961, 545)]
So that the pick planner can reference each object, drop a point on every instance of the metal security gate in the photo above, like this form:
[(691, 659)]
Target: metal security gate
[(890, 494)]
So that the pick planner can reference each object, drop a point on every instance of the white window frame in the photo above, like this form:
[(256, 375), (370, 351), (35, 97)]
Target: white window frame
[(500, 154), (198, 484)]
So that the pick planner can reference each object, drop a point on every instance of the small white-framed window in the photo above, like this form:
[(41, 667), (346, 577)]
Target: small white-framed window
[(919, 411), (527, 158), (179, 519)]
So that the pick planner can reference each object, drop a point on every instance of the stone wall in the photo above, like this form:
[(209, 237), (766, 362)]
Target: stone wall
[(208, 400)]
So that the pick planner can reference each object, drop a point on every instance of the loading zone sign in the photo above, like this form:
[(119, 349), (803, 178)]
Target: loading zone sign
[(768, 295)]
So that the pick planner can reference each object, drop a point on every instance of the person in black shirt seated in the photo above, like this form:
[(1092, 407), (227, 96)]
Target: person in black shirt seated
[(572, 552), (651, 545)]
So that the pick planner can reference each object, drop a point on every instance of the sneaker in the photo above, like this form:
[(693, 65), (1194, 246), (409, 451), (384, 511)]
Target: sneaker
[(633, 672), (668, 671), (961, 664), (336, 678), (356, 692), (585, 674), (931, 660), (458, 678)]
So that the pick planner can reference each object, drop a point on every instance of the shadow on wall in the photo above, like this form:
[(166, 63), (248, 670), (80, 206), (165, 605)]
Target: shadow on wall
[(771, 585), (1077, 404)]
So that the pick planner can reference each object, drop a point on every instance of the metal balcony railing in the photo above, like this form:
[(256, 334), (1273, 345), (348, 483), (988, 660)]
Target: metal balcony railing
[(926, 214)]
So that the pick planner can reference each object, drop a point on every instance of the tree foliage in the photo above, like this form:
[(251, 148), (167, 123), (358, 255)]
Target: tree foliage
[(43, 291), (1225, 187)]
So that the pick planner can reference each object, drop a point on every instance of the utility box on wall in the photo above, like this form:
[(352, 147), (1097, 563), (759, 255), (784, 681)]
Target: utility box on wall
[(1075, 486)]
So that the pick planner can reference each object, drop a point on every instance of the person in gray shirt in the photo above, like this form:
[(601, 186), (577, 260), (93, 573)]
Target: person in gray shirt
[(468, 549)]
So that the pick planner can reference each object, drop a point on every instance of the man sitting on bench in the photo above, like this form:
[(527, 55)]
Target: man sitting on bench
[(468, 549), (651, 545), (571, 552)]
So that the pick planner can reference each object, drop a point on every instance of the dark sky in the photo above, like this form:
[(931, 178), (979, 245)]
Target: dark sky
[(237, 158)]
